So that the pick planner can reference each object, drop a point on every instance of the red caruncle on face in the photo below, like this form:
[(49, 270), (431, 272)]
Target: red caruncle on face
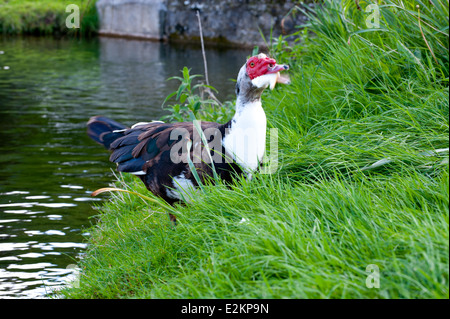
[(259, 65)]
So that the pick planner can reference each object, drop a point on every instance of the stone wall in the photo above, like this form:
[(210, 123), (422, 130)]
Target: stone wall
[(229, 22), (131, 18)]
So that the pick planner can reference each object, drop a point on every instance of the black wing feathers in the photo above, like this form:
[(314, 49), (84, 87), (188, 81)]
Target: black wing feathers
[(145, 147), (145, 150)]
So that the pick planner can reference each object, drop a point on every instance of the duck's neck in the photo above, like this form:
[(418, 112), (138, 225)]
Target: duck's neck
[(245, 137)]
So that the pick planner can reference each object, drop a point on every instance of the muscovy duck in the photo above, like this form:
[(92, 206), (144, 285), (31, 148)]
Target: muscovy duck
[(156, 152)]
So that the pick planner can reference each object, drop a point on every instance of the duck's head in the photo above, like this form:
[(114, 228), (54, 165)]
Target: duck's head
[(258, 73)]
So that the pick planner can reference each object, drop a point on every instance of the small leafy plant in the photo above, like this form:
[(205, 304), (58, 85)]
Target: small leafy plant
[(191, 97)]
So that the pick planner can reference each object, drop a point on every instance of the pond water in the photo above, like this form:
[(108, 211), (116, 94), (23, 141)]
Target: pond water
[(48, 166)]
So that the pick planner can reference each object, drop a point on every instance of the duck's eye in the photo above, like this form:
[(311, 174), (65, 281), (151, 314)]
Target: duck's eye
[(252, 64), (270, 65)]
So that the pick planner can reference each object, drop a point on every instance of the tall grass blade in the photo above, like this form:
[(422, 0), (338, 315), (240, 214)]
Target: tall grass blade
[(145, 198)]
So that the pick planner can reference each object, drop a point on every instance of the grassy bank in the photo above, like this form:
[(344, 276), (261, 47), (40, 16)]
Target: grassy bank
[(359, 180), (45, 17)]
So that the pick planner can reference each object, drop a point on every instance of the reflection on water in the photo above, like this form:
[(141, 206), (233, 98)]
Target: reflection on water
[(48, 166)]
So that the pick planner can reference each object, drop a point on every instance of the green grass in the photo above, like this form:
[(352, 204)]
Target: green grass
[(45, 17), (312, 228)]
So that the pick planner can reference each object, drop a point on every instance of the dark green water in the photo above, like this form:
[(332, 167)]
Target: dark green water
[(48, 166)]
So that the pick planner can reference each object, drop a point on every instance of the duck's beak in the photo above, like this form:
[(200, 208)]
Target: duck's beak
[(276, 69)]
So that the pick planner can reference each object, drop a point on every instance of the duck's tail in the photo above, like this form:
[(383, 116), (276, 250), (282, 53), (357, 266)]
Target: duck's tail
[(104, 131)]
